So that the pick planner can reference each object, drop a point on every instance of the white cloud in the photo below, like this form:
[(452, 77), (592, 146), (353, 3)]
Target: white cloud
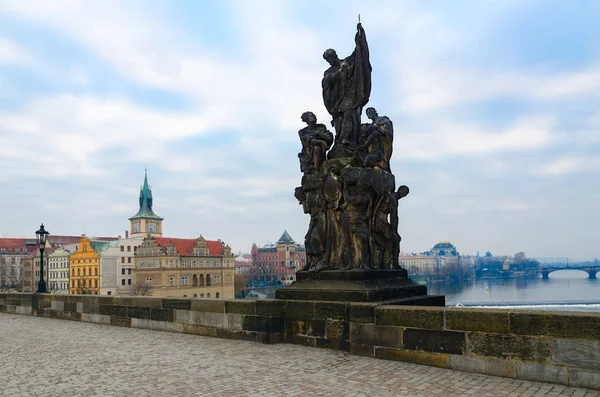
[(10, 52), (472, 140), (569, 164)]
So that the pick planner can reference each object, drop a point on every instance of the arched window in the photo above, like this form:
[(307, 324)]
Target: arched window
[(96, 271), (195, 280), (201, 295), (202, 280), (208, 281), (79, 272), (217, 295), (208, 295)]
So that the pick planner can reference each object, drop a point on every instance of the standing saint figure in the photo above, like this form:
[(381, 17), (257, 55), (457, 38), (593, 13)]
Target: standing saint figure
[(346, 89)]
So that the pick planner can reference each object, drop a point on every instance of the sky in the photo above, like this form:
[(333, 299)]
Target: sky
[(495, 105)]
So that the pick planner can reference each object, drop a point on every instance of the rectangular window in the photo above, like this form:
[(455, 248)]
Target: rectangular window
[(135, 248), (123, 281), (128, 271), (217, 279), (122, 248), (149, 281), (122, 259), (184, 280), (171, 281), (129, 281), (129, 248), (129, 260), (123, 271)]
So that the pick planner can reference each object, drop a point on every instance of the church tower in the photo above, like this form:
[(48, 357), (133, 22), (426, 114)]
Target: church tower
[(145, 222)]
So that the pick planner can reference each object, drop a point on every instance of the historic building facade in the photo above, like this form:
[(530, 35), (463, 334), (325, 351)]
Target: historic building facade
[(15, 257), (116, 266), (145, 221), (58, 271), (200, 268), (277, 262), (85, 269)]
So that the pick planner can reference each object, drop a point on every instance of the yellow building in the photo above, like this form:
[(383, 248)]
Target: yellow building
[(85, 269)]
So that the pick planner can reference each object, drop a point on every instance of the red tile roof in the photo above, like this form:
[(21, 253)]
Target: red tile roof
[(185, 246)]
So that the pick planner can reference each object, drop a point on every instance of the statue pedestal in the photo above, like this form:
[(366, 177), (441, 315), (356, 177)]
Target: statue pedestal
[(391, 287)]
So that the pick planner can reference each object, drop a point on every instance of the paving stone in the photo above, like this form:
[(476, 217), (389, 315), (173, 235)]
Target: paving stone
[(113, 361)]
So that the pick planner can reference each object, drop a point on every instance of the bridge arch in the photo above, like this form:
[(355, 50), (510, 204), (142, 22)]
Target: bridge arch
[(590, 271)]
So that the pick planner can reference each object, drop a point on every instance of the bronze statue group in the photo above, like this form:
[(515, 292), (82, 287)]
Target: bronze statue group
[(348, 188)]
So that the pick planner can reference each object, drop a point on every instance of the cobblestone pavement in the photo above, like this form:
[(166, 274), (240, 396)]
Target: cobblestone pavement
[(47, 357)]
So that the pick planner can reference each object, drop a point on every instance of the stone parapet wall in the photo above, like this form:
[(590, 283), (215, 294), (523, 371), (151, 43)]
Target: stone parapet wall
[(556, 347)]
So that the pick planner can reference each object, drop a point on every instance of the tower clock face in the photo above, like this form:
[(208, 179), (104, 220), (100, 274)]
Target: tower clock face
[(136, 227), (152, 227)]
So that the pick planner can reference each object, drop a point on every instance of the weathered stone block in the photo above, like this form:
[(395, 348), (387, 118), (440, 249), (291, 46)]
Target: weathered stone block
[(583, 378), (295, 327), (207, 319), (182, 304), (330, 310), (195, 329), (70, 307), (361, 312), (234, 321), (205, 305), (156, 325), (270, 307), (301, 340), (337, 329), (257, 323), (542, 373), (240, 306), (301, 310), (499, 367), (238, 335), (567, 324), (334, 344), (512, 347), (112, 310), (412, 356), (120, 321), (466, 363), (100, 319), (57, 305), (576, 353), (406, 316), (450, 342), (25, 310), (315, 328), (485, 320), (138, 312), (375, 335), (362, 350), (162, 315), (277, 325)]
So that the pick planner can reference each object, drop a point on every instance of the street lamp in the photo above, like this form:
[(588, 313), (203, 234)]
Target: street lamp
[(41, 236)]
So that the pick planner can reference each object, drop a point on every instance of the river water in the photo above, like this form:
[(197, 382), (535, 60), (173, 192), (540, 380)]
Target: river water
[(564, 290)]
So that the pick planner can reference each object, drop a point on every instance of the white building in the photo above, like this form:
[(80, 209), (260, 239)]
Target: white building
[(58, 271), (116, 266)]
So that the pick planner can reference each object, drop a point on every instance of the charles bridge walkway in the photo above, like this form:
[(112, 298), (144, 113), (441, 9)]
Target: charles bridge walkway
[(49, 357)]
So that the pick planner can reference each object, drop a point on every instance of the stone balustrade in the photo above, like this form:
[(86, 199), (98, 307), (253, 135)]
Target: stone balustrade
[(555, 347)]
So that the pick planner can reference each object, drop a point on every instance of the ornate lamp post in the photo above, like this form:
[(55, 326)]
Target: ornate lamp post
[(41, 236)]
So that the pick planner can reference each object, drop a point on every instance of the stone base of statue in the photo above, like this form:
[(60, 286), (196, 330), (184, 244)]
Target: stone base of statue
[(391, 287)]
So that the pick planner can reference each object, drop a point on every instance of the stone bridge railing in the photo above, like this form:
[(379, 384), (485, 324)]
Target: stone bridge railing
[(556, 347)]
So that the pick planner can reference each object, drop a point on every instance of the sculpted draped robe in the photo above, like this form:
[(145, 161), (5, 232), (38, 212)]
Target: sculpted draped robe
[(347, 87)]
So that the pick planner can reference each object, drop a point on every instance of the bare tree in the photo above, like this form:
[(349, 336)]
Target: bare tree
[(239, 282), (141, 289), (82, 288)]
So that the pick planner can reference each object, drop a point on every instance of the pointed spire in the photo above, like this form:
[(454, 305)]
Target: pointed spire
[(286, 239), (145, 210)]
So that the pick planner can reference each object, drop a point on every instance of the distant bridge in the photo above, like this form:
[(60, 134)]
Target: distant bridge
[(591, 270)]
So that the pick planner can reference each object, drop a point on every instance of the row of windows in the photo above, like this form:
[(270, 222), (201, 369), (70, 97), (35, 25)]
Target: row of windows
[(123, 281), (86, 272), (196, 281), (123, 271), (207, 295), (123, 259), (57, 286), (129, 248), (61, 265), (53, 275), (84, 283)]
